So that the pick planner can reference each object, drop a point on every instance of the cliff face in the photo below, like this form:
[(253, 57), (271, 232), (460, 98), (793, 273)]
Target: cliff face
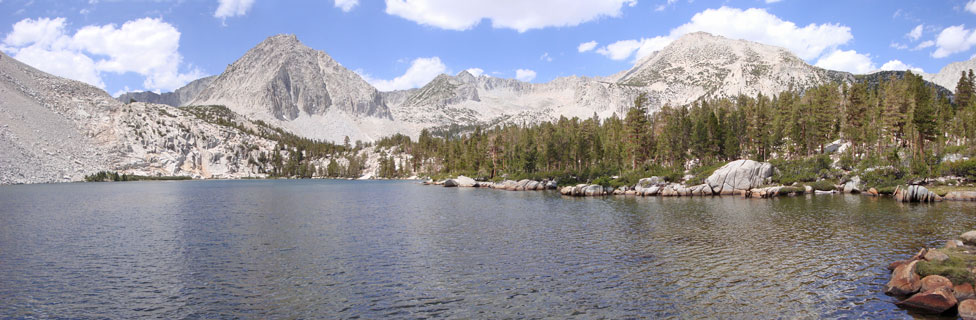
[(949, 76)]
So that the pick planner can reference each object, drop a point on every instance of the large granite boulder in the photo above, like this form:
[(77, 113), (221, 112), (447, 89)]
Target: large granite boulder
[(915, 193), (739, 175), (963, 291), (649, 186), (450, 183), (969, 237), (933, 282), (463, 181), (853, 186)]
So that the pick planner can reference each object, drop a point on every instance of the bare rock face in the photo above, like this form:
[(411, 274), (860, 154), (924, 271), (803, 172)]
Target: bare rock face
[(176, 98), (949, 76), (739, 175), (282, 80)]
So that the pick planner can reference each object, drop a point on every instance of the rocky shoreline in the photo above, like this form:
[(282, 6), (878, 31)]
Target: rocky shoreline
[(938, 281), (745, 178)]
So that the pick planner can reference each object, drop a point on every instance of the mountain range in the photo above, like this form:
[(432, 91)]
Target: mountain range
[(305, 91), (54, 129)]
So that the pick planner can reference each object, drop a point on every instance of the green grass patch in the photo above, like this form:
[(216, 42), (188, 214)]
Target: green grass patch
[(824, 185), (107, 176), (956, 268)]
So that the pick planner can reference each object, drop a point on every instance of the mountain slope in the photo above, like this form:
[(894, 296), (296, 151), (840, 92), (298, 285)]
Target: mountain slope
[(54, 130), (703, 65), (284, 82), (176, 98), (948, 77)]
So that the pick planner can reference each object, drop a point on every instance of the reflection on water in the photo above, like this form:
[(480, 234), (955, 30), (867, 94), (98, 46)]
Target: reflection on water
[(308, 249)]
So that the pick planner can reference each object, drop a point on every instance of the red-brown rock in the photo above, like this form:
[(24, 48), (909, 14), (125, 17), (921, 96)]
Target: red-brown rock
[(893, 265), (933, 282), (904, 281), (935, 301), (963, 292), (967, 309)]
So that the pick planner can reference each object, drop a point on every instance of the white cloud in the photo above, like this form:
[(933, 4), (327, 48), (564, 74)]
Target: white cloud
[(971, 6), (346, 5), (586, 46), (621, 49), (524, 75), (665, 5), (954, 39), (545, 57), (897, 65), (899, 46), (772, 1), (924, 44), (232, 8), (807, 42), (916, 33), (519, 15), (421, 71), (475, 71), (847, 60), (148, 47)]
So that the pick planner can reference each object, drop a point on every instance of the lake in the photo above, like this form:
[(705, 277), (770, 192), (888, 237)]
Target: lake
[(382, 249)]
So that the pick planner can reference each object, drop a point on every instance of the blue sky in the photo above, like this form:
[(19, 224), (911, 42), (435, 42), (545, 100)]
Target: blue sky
[(396, 44)]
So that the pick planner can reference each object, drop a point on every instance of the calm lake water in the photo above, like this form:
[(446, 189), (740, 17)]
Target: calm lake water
[(379, 249)]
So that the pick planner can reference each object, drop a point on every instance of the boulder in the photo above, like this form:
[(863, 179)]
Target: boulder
[(894, 265), (935, 301), (520, 186), (873, 192), (739, 175), (551, 185), (807, 189), (566, 191), (963, 291), (933, 282), (915, 193), (449, 183), (967, 309), (853, 186), (969, 237), (904, 281), (652, 191), (463, 181), (532, 185), (936, 256), (630, 193), (961, 196), (953, 244)]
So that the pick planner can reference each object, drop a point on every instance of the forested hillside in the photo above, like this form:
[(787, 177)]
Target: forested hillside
[(890, 130)]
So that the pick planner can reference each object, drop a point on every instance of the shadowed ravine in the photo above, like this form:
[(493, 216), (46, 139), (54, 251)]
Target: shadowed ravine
[(314, 248)]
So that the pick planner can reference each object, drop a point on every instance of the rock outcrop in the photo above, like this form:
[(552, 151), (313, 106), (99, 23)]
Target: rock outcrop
[(177, 98), (960, 196), (739, 175), (904, 281)]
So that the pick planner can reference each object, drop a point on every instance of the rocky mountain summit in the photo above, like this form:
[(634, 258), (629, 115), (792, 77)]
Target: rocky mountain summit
[(286, 83), (700, 65), (177, 98)]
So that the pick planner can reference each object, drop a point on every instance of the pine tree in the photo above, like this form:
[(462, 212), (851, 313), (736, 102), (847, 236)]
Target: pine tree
[(637, 131)]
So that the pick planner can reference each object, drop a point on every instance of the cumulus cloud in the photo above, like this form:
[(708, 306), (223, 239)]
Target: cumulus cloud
[(511, 14), (924, 44), (475, 71), (524, 75), (971, 6), (232, 8), (952, 40), (847, 60), (421, 71), (772, 1), (346, 5), (148, 47), (807, 42), (916, 33), (897, 65), (586, 46)]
